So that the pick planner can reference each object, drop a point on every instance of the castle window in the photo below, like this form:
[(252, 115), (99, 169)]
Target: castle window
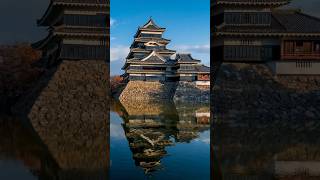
[(85, 20), (83, 52), (248, 18), (151, 35)]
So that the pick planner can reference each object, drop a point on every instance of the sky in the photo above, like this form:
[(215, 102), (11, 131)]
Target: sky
[(18, 20), (187, 23), (187, 26)]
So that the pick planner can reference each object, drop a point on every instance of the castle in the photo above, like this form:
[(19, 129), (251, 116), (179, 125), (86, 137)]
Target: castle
[(78, 30), (150, 60), (259, 31)]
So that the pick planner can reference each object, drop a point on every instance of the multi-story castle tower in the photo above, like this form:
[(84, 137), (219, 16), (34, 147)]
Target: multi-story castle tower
[(148, 54), (259, 31), (77, 31), (150, 60), (241, 30)]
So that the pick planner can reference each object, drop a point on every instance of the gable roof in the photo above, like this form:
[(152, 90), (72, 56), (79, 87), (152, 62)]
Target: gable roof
[(151, 25), (186, 58), (202, 68), (297, 22), (154, 57)]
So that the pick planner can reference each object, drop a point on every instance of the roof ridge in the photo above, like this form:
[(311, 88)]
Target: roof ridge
[(151, 22), (308, 15), (153, 53), (291, 10)]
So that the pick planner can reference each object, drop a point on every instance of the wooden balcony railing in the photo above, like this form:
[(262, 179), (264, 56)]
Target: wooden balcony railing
[(302, 56)]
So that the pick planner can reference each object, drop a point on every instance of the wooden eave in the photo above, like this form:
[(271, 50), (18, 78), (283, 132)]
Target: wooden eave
[(149, 51), (81, 30), (43, 20), (56, 4), (189, 62), (124, 66), (267, 34), (142, 63), (150, 30), (187, 72), (145, 62), (165, 51), (43, 43), (152, 39), (146, 71), (192, 72), (70, 34)]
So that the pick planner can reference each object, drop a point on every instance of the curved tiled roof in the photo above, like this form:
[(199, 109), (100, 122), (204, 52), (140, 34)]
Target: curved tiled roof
[(203, 68), (151, 25), (55, 4), (200, 68), (147, 39), (186, 58), (297, 22)]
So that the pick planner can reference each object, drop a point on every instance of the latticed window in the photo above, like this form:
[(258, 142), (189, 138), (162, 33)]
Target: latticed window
[(248, 18), (187, 67), (248, 52), (151, 35), (83, 52), (85, 20)]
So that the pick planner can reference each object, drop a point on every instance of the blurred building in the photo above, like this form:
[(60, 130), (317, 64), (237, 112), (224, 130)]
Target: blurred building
[(259, 31)]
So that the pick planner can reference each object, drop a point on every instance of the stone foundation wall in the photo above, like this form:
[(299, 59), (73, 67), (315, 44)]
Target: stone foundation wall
[(71, 114), (252, 92), (189, 92), (261, 120), (184, 92), (147, 91)]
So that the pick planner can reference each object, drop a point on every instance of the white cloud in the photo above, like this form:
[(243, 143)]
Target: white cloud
[(116, 131), (201, 49), (118, 53), (204, 137), (112, 22)]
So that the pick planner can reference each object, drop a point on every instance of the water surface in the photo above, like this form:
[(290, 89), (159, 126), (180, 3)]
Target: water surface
[(159, 141), (267, 150), (30, 151)]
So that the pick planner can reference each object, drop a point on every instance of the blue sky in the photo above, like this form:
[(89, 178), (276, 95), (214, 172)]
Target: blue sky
[(187, 23)]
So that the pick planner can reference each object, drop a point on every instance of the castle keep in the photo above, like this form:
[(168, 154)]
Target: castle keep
[(77, 31), (68, 106), (150, 60), (255, 31)]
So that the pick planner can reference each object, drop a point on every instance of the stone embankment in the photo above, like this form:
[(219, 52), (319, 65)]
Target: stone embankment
[(189, 92), (147, 91), (269, 120), (70, 115), (184, 92), (252, 92)]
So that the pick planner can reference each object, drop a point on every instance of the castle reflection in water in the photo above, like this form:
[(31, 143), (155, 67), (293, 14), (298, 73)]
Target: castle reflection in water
[(151, 128), (43, 151)]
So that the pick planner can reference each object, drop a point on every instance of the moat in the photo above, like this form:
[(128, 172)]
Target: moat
[(159, 141)]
